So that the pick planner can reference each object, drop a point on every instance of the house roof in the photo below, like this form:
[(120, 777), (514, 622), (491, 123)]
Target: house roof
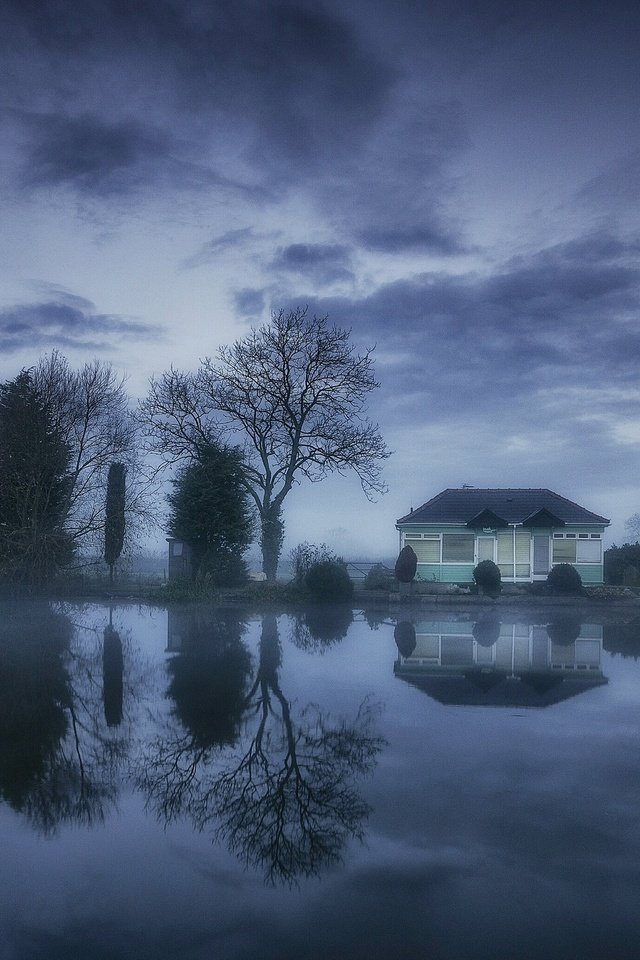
[(486, 690), (464, 504)]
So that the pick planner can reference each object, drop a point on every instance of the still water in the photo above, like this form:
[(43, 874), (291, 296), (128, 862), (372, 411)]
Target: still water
[(198, 783)]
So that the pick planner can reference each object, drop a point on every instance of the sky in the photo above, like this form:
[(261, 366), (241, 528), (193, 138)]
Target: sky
[(454, 182)]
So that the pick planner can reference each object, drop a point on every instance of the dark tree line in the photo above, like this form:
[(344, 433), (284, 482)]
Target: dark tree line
[(35, 480), (287, 402), (61, 431)]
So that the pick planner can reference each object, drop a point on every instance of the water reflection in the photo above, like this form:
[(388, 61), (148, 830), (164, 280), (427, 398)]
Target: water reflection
[(623, 637), (321, 625), (57, 763), (208, 681), (112, 676), (285, 799), (493, 662)]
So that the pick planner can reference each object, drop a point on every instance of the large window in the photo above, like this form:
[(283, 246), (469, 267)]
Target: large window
[(567, 548), (457, 548)]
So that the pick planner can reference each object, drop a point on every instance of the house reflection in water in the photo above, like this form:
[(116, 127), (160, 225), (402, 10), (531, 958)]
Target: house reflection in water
[(492, 663)]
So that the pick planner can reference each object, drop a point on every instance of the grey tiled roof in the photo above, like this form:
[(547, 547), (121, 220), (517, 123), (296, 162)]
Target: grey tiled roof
[(513, 505)]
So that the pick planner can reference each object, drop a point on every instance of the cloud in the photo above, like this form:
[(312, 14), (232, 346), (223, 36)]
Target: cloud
[(230, 240), (516, 348), (67, 320), (249, 302), (257, 99), (102, 159), (294, 83), (323, 263), (617, 184), (95, 156), (394, 194)]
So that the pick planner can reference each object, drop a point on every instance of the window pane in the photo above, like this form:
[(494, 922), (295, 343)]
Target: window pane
[(523, 546), (564, 551), (589, 551), (427, 551), (457, 548), (505, 548)]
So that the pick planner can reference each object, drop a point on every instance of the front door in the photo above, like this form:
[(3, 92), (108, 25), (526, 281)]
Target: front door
[(486, 548), (540, 556)]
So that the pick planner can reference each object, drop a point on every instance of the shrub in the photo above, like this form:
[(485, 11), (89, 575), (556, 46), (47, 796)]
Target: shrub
[(305, 555), (487, 576), (563, 578), (406, 565), (328, 580), (378, 578)]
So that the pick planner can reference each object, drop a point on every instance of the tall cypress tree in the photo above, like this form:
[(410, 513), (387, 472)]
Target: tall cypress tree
[(114, 525)]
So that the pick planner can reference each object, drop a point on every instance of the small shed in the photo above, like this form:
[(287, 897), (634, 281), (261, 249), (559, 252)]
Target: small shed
[(180, 567)]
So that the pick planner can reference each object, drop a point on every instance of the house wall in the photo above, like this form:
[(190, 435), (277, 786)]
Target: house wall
[(423, 538)]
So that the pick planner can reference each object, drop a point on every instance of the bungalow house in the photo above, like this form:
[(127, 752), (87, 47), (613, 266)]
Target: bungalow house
[(524, 531)]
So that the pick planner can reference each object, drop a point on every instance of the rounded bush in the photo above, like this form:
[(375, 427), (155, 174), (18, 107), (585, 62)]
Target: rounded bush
[(406, 565), (328, 580), (487, 575), (563, 578)]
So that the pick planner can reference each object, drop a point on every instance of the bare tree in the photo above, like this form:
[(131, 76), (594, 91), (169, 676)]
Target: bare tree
[(293, 394), (632, 526), (90, 408)]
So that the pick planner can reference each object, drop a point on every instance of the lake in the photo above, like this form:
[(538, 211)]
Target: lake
[(210, 783)]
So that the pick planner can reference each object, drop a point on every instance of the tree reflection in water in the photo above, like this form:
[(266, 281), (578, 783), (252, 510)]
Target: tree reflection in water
[(285, 802), (321, 625), (56, 759), (112, 676)]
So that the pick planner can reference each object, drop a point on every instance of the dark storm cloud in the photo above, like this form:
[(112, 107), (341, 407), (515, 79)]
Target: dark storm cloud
[(562, 316), (68, 321), (298, 74), (394, 194), (94, 156), (249, 302), (126, 96), (99, 158), (324, 263)]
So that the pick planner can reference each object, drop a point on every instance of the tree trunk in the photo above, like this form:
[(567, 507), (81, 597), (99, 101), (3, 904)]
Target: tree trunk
[(271, 542)]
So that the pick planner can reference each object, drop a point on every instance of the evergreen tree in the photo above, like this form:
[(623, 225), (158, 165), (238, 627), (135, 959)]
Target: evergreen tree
[(34, 485), (114, 525), (210, 510)]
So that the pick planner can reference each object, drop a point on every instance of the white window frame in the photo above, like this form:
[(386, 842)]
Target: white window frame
[(578, 539)]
